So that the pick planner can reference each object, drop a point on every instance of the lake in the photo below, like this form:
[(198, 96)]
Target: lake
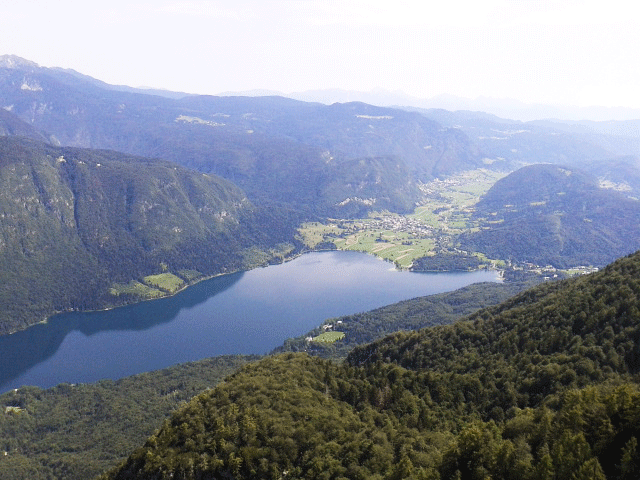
[(242, 313)]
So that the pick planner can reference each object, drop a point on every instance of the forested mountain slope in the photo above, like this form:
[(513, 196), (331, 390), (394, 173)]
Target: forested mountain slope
[(412, 314), (543, 386), (73, 432), (11, 125), (75, 221), (568, 333), (553, 215)]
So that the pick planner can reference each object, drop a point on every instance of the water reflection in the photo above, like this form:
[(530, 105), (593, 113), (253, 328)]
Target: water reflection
[(145, 315), (23, 350)]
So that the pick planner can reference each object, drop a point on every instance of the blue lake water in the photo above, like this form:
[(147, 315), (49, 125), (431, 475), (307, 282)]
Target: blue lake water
[(242, 313)]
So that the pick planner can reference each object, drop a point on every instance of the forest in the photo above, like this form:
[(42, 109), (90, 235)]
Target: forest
[(78, 431)]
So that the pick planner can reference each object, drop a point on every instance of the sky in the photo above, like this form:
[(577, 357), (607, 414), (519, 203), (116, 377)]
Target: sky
[(557, 52)]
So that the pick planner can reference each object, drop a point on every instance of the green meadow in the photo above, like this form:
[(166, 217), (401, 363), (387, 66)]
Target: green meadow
[(165, 281), (329, 337), (398, 247), (135, 288)]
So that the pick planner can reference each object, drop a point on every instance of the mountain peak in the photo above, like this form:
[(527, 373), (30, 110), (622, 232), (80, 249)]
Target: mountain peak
[(13, 61)]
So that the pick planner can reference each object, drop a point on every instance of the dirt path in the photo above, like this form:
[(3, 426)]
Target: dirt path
[(380, 248)]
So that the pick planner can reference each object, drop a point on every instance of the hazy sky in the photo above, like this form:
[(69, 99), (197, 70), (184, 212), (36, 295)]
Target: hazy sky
[(559, 52)]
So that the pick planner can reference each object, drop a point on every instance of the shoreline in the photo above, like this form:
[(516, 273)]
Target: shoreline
[(288, 258), (45, 320)]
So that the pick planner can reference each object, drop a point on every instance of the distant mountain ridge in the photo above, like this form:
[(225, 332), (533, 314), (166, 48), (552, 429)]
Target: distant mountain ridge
[(276, 149), (506, 108)]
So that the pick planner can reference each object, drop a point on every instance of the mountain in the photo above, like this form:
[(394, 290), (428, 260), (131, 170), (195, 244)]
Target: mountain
[(503, 107), (81, 430), (510, 144), (10, 125), (621, 174), (278, 150), (608, 150), (76, 221), (551, 215), (541, 386), (297, 154)]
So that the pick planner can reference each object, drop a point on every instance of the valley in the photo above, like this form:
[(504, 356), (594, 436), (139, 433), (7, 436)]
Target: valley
[(430, 235), (249, 312), (443, 212)]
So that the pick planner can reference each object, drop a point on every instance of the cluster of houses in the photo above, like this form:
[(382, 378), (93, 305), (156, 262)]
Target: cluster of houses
[(396, 223)]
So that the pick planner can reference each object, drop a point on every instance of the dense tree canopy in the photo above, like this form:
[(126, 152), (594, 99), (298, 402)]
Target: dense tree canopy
[(75, 432)]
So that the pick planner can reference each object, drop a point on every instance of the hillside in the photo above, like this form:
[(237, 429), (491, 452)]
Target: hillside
[(75, 222), (551, 215), (541, 386), (10, 125), (77, 431), (416, 313), (285, 152), (513, 143), (621, 174)]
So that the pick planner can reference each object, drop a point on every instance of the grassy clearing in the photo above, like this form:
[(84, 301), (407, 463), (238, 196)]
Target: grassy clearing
[(314, 233), (135, 288), (494, 263), (16, 410), (398, 247), (427, 216), (329, 337), (165, 281)]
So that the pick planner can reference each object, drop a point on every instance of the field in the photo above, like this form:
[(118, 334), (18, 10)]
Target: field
[(329, 337), (444, 213), (398, 247), (314, 233), (165, 281), (135, 288)]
